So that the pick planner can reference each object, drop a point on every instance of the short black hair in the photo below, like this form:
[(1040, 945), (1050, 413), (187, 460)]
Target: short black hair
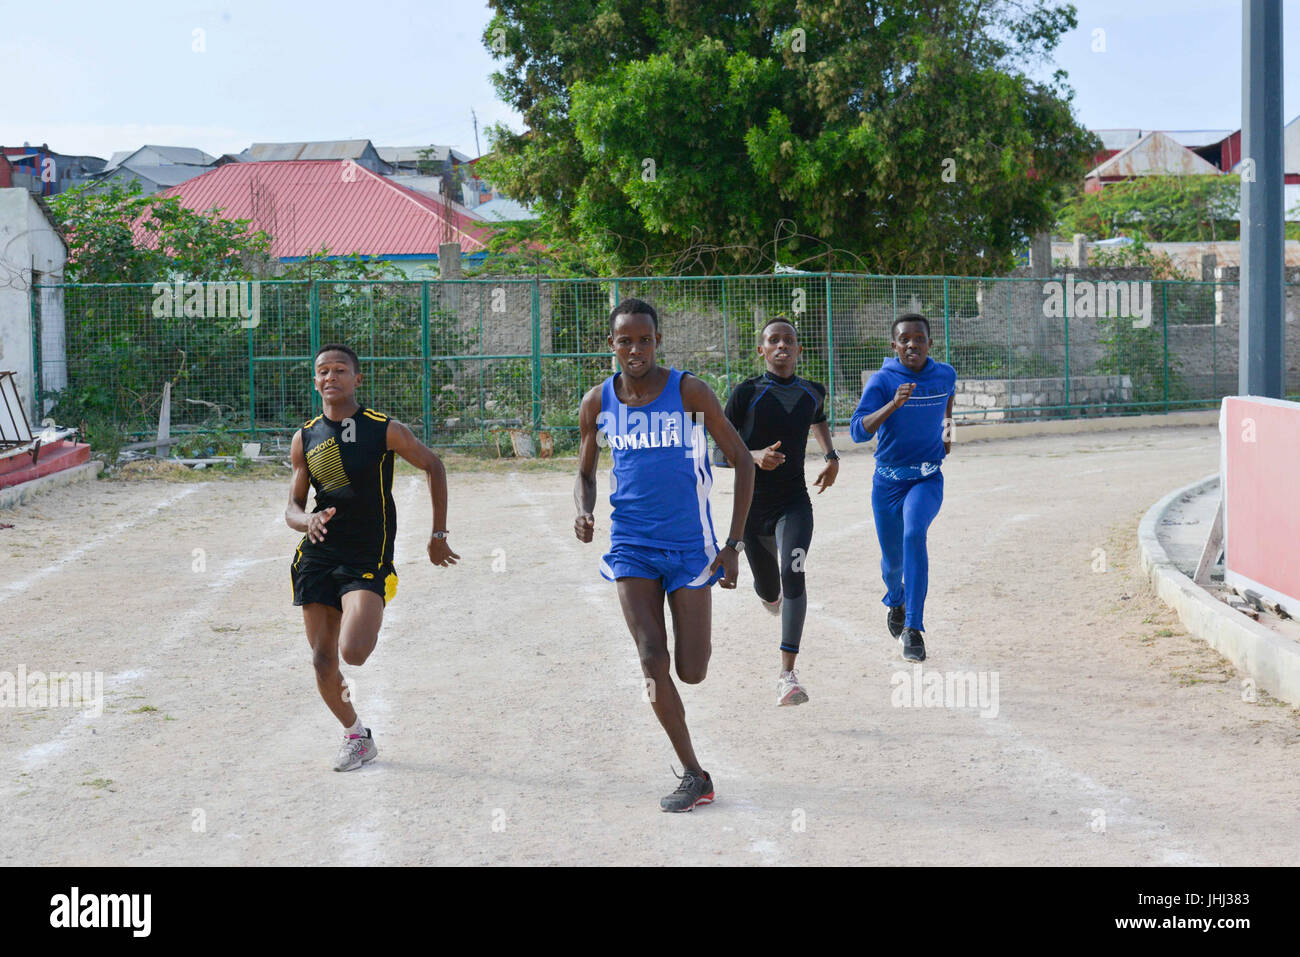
[(910, 317), (772, 322), (338, 347), (631, 307)]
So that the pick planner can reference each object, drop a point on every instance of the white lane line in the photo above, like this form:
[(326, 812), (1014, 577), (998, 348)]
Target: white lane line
[(15, 588), (364, 839), (182, 629), (1119, 808)]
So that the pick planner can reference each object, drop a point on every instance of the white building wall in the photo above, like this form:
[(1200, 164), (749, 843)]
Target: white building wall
[(29, 247)]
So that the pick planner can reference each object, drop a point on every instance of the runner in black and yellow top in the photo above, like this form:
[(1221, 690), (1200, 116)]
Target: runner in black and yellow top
[(342, 572)]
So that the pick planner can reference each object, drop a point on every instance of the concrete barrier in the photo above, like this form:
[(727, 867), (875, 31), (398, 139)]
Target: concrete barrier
[(1272, 660), (18, 494)]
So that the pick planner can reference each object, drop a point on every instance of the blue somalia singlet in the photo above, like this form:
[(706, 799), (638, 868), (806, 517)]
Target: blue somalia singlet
[(659, 487)]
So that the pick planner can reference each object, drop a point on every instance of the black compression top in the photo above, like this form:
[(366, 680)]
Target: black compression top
[(767, 409), (351, 470)]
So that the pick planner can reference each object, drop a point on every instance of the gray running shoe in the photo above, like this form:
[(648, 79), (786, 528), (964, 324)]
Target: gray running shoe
[(356, 751), (691, 791), (788, 689)]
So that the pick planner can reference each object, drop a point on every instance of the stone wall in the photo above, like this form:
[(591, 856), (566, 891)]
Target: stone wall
[(1000, 399), (1187, 256)]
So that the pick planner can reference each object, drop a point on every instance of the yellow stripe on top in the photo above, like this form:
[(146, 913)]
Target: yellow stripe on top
[(377, 416), (308, 425), (326, 466), (383, 508)]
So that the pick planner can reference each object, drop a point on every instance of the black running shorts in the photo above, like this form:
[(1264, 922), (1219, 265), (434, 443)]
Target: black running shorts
[(326, 583)]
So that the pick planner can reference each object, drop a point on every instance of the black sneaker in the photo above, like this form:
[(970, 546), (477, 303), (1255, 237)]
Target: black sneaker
[(913, 645), (896, 618), (691, 791)]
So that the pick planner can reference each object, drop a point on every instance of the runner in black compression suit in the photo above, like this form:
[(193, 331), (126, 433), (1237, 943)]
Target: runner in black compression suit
[(773, 413)]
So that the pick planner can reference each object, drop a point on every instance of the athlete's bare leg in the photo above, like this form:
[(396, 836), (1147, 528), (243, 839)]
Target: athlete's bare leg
[(643, 609), (322, 622), (692, 610), (363, 613)]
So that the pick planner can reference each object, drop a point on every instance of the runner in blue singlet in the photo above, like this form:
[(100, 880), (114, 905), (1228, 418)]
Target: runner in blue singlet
[(661, 530)]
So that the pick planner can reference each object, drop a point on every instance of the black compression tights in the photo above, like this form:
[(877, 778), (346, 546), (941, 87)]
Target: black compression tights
[(776, 561)]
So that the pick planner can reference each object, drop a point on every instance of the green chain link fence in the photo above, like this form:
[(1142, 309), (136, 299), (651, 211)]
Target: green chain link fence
[(460, 361)]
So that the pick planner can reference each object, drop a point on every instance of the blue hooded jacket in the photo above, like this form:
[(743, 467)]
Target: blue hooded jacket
[(914, 433)]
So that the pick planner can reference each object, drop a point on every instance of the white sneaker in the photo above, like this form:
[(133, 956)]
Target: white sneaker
[(356, 751), (774, 607), (788, 689)]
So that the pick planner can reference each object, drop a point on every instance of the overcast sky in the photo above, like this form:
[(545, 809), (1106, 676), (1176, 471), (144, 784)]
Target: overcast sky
[(94, 77)]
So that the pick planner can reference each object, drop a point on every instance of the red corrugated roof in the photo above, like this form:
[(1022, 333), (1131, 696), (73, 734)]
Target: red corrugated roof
[(309, 204)]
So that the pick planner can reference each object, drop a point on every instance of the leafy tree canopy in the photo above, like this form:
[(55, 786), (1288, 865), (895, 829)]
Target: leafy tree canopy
[(706, 135), (1158, 209)]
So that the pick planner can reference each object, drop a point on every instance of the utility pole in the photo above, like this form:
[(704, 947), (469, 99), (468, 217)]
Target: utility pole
[(1262, 363)]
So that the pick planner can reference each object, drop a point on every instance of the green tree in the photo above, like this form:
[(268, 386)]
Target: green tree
[(98, 228), (1172, 209), (666, 136)]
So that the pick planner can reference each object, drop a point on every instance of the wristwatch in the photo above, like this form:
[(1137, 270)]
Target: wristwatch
[(737, 544), (438, 535), (832, 456)]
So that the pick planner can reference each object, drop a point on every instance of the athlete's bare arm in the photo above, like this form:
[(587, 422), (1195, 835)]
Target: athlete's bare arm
[(401, 440), (698, 397), (826, 477), (948, 426), (296, 515), (584, 487)]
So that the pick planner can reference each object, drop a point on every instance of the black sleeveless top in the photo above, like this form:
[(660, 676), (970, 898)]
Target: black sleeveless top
[(351, 470)]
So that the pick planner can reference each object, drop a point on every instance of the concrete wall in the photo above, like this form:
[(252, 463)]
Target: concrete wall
[(999, 399), (1196, 345), (1187, 256), (29, 248)]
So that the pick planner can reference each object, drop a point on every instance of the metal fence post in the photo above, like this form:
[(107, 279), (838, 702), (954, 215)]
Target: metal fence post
[(1067, 355), (537, 354), (726, 340), (313, 326), (830, 355), (1164, 288), (426, 366), (33, 296), (947, 339), (613, 359), (252, 390)]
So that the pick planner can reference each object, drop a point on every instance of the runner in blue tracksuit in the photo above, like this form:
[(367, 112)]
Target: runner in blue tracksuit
[(909, 402), (661, 540)]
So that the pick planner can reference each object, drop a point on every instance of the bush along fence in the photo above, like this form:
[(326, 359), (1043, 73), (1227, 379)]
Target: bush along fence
[(461, 361)]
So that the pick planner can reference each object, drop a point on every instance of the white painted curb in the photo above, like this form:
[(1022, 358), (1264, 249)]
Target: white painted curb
[(1272, 660), (19, 494)]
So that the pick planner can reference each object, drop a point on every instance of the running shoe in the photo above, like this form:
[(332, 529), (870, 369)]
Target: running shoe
[(774, 607), (356, 751), (691, 790), (896, 619), (913, 645), (788, 689)]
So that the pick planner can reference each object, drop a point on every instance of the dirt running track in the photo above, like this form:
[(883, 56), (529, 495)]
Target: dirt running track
[(507, 704)]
